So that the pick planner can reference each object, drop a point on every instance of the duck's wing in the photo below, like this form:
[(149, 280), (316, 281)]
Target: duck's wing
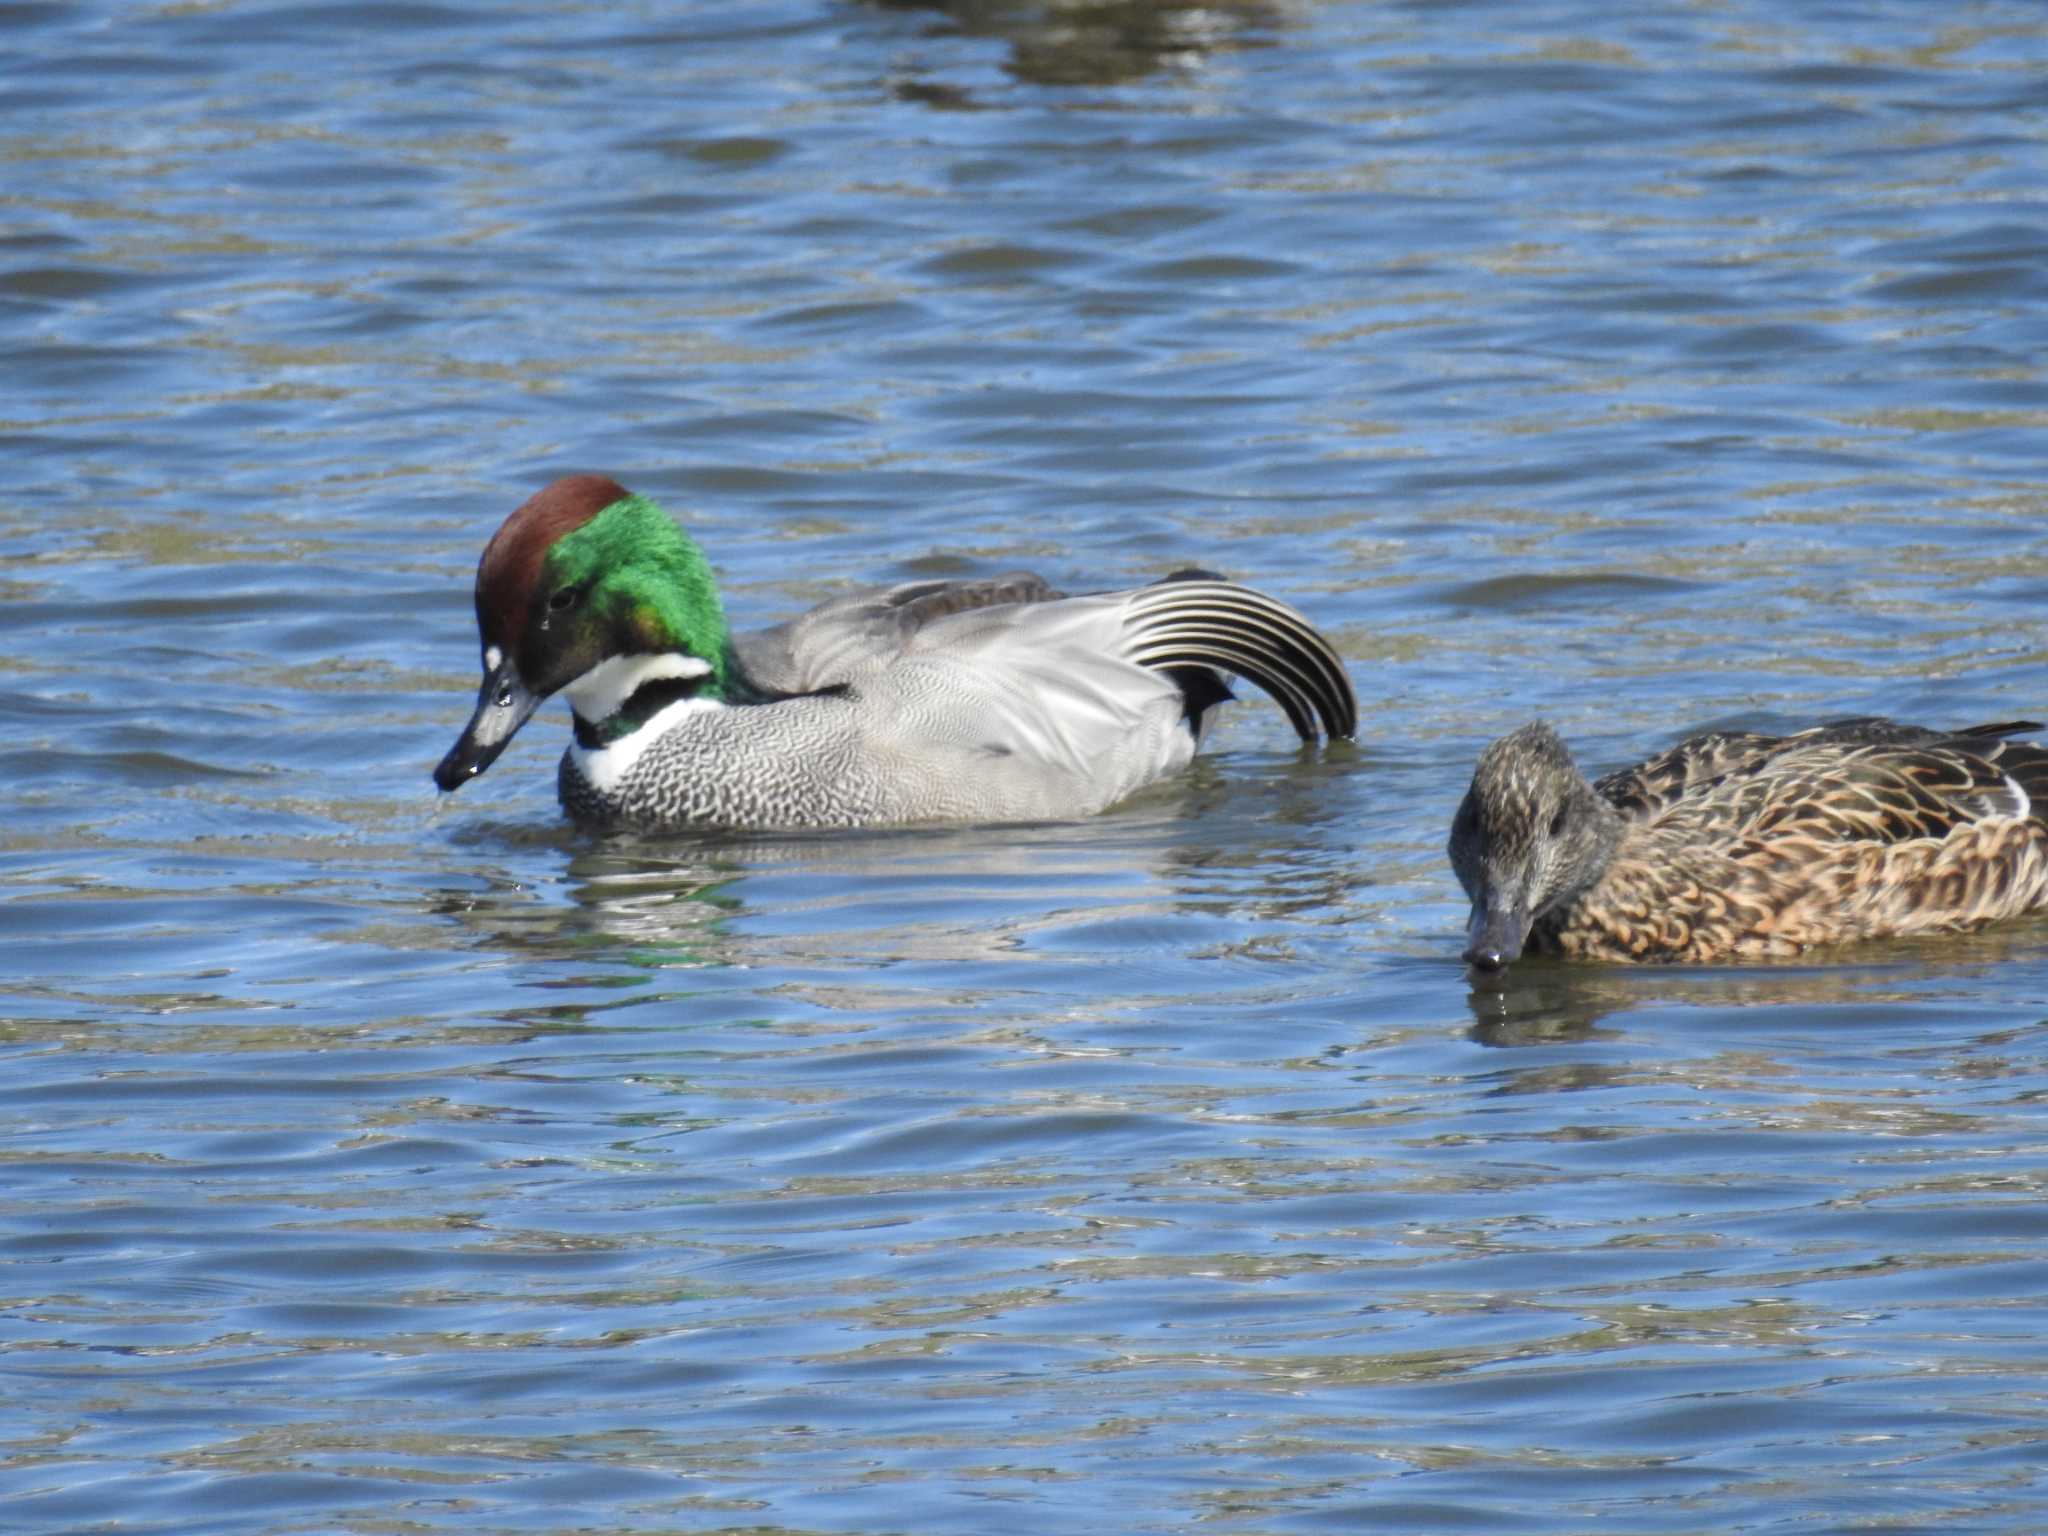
[(1184, 629), (1701, 762), (844, 636), (1820, 789), (1060, 708), (1898, 838), (1662, 781)]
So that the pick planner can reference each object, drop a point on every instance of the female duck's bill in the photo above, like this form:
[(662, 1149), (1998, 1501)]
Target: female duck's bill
[(1735, 845), (992, 700)]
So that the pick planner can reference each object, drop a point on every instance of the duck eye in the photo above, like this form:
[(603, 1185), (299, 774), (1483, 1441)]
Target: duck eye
[(1558, 821), (505, 698), (562, 598)]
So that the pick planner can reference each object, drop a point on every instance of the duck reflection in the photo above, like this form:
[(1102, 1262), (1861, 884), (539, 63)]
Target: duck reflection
[(613, 897), (1096, 42), (1544, 1002), (1250, 848)]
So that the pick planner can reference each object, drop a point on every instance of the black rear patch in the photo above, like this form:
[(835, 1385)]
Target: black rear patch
[(1201, 690)]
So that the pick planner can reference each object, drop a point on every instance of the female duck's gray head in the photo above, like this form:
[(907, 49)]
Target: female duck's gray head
[(593, 589), (1531, 833)]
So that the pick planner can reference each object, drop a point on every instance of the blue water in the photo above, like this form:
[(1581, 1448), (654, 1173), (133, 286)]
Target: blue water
[(381, 1162)]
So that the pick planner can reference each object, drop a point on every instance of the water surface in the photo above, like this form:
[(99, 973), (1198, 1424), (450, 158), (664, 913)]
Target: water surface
[(378, 1162)]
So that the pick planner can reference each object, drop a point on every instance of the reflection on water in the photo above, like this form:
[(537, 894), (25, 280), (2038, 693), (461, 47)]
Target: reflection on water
[(1097, 42), (1262, 848), (1546, 1001)]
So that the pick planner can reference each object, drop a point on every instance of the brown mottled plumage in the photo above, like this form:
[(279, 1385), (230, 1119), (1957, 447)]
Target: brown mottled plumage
[(1739, 846)]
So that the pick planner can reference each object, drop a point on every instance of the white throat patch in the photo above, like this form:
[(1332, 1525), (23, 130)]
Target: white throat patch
[(604, 767), (598, 694)]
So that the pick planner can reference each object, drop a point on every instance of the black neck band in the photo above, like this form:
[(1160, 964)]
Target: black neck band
[(648, 700)]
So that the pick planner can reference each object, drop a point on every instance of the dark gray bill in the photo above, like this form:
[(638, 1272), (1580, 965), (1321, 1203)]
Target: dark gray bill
[(502, 707), (1494, 937)]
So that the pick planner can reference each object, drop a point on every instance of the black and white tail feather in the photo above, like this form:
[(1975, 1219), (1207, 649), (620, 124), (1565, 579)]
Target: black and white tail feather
[(1194, 620)]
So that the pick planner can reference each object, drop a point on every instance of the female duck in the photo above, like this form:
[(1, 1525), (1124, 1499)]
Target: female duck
[(1743, 846), (996, 700)]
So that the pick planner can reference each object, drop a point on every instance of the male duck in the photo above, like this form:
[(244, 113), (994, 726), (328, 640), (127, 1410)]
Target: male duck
[(934, 701), (1742, 846)]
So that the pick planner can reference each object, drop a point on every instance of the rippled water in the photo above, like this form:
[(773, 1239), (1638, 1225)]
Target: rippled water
[(378, 1164)]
